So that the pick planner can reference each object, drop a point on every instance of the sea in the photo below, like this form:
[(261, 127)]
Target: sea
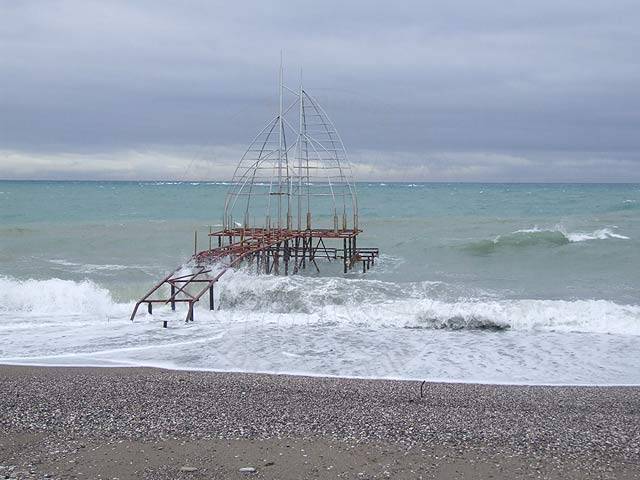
[(492, 283)]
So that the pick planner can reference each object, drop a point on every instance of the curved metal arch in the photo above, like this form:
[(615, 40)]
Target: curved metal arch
[(328, 174), (350, 183)]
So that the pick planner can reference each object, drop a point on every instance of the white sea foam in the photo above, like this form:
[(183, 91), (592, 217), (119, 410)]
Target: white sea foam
[(356, 301), (91, 268), (54, 296), (599, 234), (328, 326)]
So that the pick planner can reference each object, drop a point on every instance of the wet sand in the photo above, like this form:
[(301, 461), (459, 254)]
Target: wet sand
[(152, 423)]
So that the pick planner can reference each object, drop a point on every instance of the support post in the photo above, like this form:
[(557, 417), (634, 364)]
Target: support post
[(211, 297), (304, 252), (150, 308), (286, 257), (344, 254), (164, 324), (173, 297)]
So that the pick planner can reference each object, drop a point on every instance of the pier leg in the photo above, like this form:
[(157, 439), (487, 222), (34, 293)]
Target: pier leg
[(150, 308), (344, 254), (190, 313), (286, 257), (364, 266), (211, 297), (304, 253), (173, 297), (164, 324)]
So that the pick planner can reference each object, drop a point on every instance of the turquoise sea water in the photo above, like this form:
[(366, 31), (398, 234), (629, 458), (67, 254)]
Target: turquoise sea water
[(477, 282)]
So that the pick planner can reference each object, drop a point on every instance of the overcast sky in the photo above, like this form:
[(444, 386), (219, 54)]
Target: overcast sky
[(491, 90)]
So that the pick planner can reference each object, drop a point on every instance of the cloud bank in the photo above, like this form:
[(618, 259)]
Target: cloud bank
[(470, 91)]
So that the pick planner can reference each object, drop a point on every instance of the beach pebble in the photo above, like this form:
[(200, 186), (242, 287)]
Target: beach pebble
[(247, 470), (188, 469)]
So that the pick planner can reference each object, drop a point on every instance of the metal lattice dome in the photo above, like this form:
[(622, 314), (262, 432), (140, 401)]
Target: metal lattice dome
[(295, 174)]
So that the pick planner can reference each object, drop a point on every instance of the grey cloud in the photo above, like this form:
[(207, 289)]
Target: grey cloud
[(544, 81)]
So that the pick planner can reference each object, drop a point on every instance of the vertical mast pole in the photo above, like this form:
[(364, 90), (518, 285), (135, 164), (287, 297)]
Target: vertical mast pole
[(301, 105), (280, 146)]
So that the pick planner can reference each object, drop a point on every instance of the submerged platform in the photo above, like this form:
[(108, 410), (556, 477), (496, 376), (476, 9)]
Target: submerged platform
[(272, 251)]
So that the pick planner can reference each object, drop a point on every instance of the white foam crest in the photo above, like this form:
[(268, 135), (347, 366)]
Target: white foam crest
[(602, 234), (413, 305), (54, 296), (599, 234), (588, 316)]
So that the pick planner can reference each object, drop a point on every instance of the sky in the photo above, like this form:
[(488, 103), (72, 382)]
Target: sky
[(459, 90)]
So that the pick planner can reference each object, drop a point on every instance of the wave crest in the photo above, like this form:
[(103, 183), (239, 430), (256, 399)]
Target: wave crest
[(459, 322), (54, 296), (587, 316), (552, 237)]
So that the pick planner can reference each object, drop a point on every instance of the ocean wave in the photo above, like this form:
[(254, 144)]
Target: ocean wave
[(627, 204), (584, 316), (368, 304), (556, 236), (54, 296), (91, 267), (423, 305)]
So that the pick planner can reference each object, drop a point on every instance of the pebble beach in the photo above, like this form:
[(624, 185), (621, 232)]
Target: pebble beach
[(153, 423)]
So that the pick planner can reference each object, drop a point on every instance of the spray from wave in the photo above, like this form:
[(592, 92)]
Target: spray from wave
[(54, 297)]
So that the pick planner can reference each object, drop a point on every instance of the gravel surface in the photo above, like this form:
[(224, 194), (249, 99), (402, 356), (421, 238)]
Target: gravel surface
[(51, 413)]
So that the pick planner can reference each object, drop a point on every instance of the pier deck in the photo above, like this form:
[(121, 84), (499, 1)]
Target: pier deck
[(270, 250)]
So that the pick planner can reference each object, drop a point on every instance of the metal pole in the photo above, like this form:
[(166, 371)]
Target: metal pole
[(173, 297), (280, 147), (344, 254), (211, 297)]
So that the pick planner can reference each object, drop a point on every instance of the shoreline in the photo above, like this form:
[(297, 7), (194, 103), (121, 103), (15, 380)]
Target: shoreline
[(63, 421), (428, 380)]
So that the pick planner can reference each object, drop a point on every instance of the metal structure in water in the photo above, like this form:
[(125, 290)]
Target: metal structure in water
[(292, 202)]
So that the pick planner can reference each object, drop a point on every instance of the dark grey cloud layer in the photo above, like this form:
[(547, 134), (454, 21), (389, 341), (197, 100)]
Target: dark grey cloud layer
[(457, 90)]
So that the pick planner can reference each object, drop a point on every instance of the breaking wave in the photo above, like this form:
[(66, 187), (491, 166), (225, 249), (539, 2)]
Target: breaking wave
[(354, 302), (553, 237), (419, 305), (585, 316), (54, 296)]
